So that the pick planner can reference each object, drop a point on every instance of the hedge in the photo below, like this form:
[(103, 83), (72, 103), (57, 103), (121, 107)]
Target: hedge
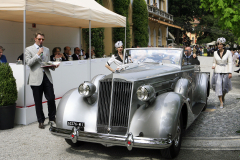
[(121, 7), (140, 23)]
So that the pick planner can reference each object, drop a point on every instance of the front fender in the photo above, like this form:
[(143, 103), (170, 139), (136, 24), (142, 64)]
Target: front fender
[(160, 118), (74, 107)]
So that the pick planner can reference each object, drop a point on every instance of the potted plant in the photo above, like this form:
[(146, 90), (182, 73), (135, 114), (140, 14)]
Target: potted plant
[(8, 97)]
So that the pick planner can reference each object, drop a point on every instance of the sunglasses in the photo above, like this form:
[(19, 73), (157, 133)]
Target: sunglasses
[(41, 39)]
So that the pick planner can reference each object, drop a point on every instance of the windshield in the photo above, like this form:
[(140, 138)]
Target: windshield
[(163, 56)]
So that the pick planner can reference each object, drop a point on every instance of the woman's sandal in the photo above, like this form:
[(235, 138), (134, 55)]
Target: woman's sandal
[(221, 106)]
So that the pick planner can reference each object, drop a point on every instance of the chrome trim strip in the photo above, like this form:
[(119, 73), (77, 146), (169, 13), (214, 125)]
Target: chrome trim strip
[(130, 109), (110, 111), (118, 140)]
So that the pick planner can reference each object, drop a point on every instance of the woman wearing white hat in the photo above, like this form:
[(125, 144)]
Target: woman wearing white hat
[(222, 65), (118, 60)]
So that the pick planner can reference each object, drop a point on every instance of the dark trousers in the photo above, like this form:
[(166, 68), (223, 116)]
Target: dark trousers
[(47, 88)]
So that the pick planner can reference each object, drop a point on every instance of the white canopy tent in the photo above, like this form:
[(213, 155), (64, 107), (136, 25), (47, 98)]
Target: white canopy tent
[(211, 43), (68, 13)]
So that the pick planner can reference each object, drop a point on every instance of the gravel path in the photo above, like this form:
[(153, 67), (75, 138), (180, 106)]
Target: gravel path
[(219, 122)]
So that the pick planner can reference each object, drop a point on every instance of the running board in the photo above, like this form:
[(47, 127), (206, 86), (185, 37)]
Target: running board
[(197, 108)]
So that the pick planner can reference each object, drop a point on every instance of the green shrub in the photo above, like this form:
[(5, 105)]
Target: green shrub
[(121, 7), (97, 38), (140, 23), (8, 87)]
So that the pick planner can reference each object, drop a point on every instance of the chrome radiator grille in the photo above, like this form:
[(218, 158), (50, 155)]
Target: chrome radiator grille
[(105, 89), (120, 103)]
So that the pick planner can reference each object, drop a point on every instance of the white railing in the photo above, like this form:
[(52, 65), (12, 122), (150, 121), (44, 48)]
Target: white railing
[(160, 13)]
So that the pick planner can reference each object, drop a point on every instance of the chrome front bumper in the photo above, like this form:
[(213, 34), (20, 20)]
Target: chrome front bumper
[(112, 140)]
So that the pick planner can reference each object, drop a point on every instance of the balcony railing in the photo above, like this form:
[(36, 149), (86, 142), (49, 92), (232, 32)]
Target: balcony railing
[(159, 13)]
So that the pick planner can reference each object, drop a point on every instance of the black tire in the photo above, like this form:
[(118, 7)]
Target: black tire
[(173, 151), (69, 141)]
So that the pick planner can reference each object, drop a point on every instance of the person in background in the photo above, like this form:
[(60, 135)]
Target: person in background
[(87, 55), (187, 56), (92, 52), (3, 58), (201, 50), (56, 53), (76, 55), (20, 57), (67, 52), (222, 65), (194, 60), (194, 49), (208, 51), (212, 51), (83, 54)]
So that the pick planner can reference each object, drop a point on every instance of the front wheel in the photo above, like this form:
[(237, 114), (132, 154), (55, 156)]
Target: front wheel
[(173, 151), (69, 141)]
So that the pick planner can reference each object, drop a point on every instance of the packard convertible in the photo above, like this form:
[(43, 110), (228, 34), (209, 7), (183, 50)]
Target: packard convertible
[(147, 103)]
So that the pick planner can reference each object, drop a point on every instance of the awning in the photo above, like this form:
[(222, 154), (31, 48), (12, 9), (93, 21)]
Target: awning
[(172, 36), (165, 23), (69, 13)]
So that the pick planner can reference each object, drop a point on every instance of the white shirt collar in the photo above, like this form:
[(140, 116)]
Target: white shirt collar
[(37, 46)]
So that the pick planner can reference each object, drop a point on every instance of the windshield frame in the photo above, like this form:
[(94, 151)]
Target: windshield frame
[(154, 48)]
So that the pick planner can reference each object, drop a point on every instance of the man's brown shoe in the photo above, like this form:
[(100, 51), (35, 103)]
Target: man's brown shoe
[(41, 126)]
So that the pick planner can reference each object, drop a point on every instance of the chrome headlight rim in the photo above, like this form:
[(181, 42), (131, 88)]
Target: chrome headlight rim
[(86, 89), (145, 93)]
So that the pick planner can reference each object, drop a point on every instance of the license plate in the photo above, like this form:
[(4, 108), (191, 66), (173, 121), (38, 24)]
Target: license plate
[(72, 123)]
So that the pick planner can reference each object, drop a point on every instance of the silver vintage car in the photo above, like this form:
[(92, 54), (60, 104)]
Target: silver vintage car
[(147, 103)]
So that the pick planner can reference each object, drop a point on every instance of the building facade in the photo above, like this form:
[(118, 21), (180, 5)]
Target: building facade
[(193, 35), (158, 22)]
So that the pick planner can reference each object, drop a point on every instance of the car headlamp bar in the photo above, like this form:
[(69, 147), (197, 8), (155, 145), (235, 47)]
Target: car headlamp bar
[(87, 89), (145, 92)]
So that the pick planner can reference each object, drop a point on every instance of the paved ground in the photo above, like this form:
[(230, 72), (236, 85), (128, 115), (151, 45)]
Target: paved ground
[(213, 130), (216, 122)]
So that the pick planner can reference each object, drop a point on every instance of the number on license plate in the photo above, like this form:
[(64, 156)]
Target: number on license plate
[(72, 123)]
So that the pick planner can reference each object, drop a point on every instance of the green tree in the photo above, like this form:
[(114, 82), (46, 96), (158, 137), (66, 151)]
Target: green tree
[(140, 23), (183, 12), (209, 30), (226, 11), (121, 7), (97, 37)]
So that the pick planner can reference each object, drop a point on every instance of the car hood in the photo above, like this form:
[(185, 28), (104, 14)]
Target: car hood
[(145, 70)]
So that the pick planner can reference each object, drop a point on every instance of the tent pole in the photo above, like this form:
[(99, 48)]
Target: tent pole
[(126, 34), (24, 46), (80, 33), (90, 48)]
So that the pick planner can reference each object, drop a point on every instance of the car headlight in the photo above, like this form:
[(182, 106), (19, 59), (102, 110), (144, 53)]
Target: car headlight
[(146, 92), (87, 89)]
